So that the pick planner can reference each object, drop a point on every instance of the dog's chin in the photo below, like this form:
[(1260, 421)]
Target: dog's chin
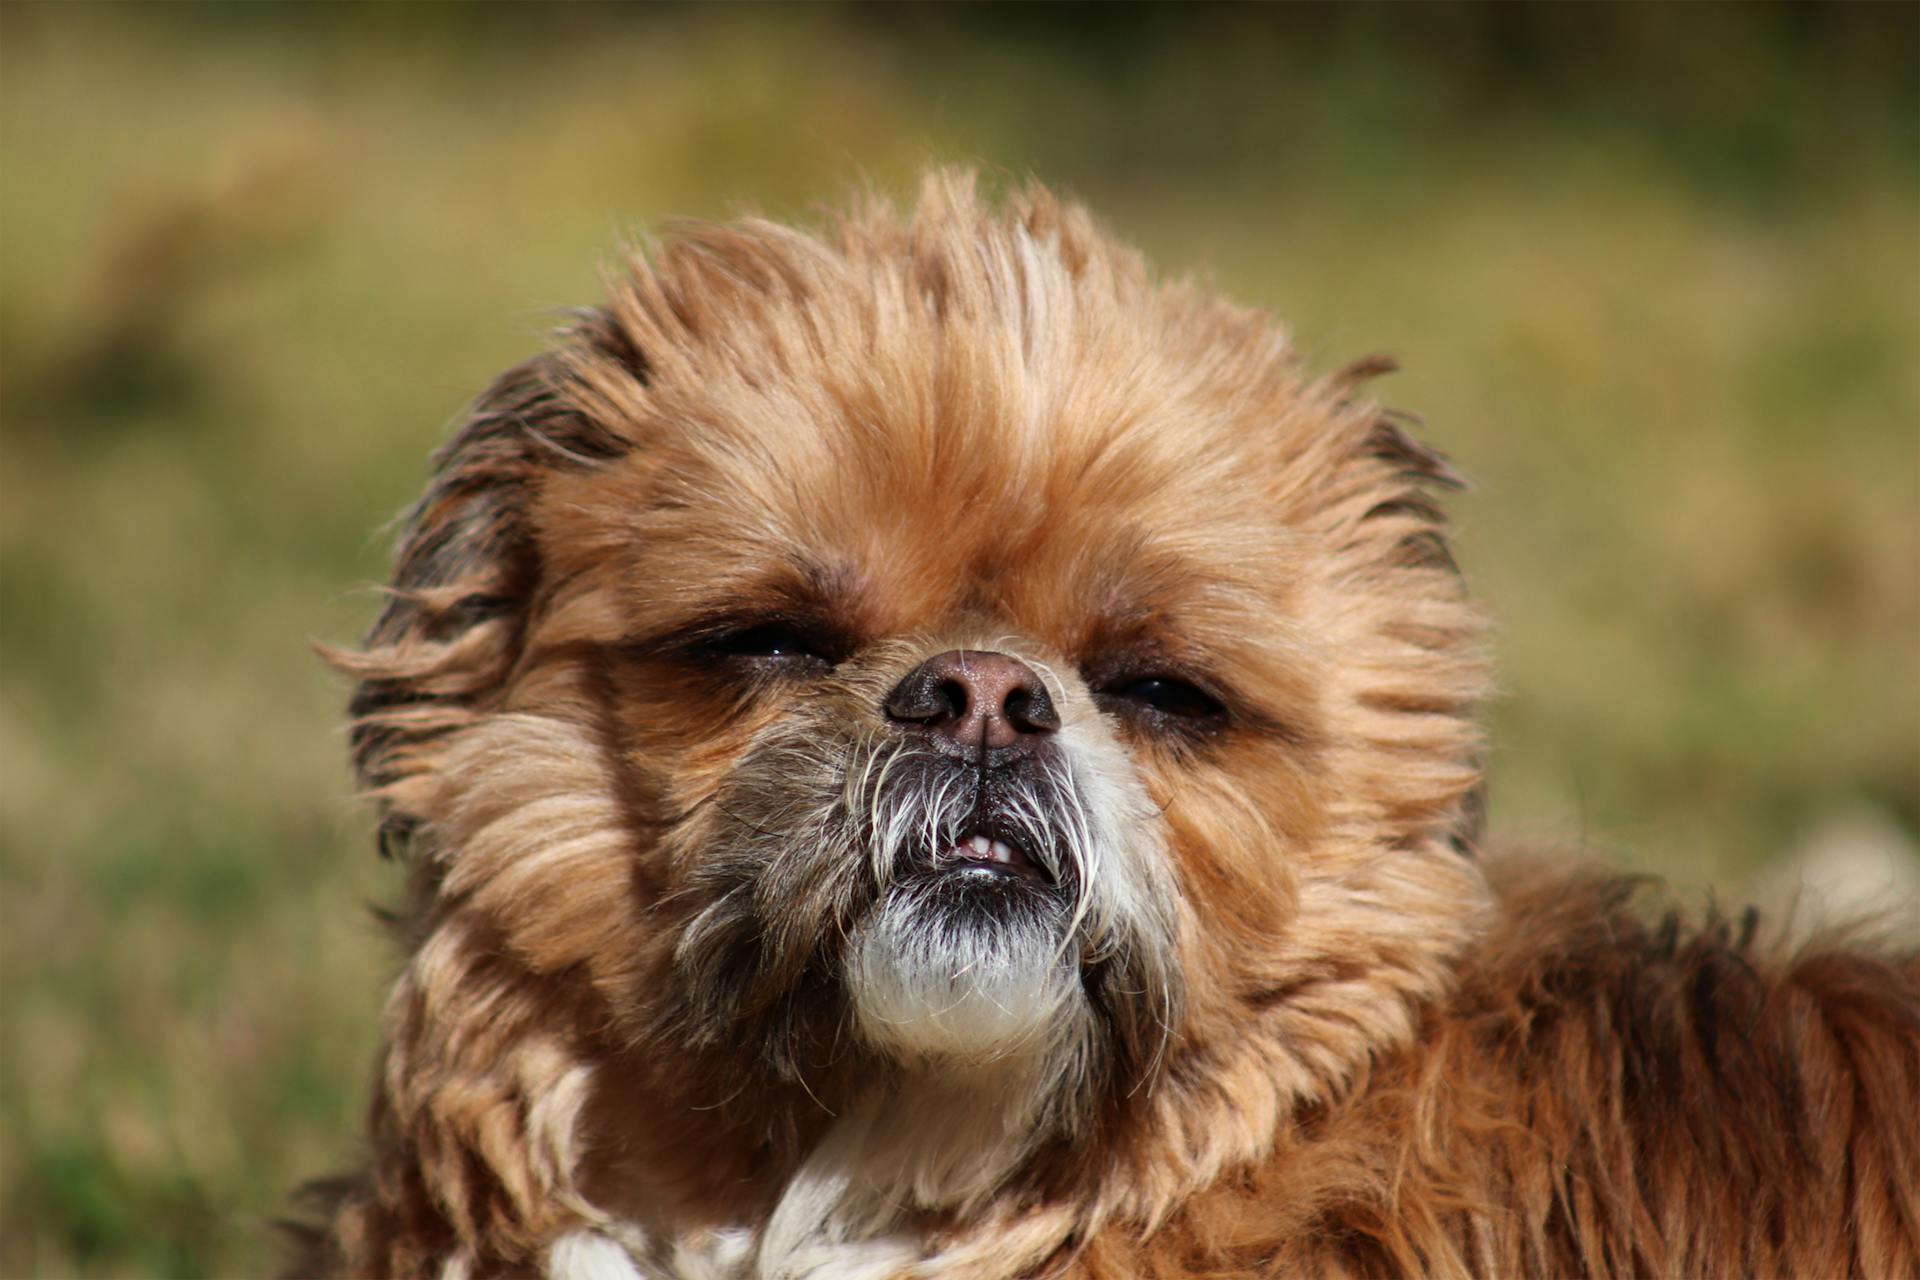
[(966, 964)]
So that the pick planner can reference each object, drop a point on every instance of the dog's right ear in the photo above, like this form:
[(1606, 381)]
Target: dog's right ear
[(466, 567)]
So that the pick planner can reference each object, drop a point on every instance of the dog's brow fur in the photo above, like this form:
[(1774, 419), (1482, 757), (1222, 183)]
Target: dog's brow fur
[(692, 988)]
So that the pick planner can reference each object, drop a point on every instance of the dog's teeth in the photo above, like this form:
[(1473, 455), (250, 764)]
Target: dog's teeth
[(979, 848)]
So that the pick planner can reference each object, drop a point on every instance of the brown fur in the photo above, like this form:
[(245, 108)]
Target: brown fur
[(1313, 1032)]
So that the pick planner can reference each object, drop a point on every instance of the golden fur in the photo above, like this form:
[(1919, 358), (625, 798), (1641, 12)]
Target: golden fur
[(667, 1009)]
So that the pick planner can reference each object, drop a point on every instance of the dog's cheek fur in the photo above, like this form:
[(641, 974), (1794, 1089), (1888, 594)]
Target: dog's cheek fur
[(755, 968)]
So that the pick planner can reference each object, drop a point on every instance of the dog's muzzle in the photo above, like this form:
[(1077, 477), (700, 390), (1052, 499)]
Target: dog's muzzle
[(983, 729)]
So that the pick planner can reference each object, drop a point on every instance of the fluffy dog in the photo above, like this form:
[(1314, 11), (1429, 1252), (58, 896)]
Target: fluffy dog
[(923, 752)]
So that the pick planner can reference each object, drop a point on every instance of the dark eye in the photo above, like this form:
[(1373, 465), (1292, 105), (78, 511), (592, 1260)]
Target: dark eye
[(1167, 695), (777, 643)]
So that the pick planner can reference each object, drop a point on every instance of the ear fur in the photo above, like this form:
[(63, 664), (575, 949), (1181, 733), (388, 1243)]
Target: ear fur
[(466, 569)]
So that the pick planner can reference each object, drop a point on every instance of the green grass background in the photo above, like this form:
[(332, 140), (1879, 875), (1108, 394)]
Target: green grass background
[(1654, 273)]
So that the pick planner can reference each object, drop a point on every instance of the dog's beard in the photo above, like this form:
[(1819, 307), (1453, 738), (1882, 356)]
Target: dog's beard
[(843, 891), (962, 959)]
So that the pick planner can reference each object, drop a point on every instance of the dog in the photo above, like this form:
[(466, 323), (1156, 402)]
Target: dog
[(924, 751)]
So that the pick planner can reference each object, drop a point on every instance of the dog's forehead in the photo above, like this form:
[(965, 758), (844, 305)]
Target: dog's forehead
[(1067, 510)]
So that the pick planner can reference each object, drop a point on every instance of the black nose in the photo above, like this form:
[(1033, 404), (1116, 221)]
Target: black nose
[(973, 699)]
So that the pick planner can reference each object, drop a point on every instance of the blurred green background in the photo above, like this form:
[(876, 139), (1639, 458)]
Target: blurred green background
[(1654, 272)]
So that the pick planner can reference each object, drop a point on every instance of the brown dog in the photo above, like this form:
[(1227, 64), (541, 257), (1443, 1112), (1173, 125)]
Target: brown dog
[(923, 752)]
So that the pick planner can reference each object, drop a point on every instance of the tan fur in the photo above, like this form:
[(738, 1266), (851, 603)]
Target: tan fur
[(1309, 1030)]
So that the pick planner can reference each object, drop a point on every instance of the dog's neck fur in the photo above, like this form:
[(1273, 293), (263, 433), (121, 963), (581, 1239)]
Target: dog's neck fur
[(911, 1177), (898, 1166), (933, 1142)]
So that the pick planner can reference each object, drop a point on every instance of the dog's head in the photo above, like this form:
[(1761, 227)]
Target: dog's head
[(934, 649)]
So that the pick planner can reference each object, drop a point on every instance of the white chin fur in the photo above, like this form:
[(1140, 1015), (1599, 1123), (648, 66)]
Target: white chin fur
[(925, 989)]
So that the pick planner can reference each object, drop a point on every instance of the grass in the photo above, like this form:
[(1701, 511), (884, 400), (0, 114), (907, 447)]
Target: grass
[(1654, 283)]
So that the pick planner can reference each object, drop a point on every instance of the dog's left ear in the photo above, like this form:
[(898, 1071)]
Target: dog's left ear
[(467, 568)]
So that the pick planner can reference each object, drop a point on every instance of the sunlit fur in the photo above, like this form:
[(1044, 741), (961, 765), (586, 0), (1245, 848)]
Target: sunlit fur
[(685, 997)]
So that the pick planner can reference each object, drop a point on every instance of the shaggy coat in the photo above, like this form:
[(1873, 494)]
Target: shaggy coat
[(702, 981)]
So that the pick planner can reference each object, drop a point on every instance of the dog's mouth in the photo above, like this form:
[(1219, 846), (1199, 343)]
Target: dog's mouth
[(979, 851), (991, 831)]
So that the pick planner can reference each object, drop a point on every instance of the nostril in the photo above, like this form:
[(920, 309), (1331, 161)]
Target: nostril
[(924, 698), (1030, 710), (954, 699)]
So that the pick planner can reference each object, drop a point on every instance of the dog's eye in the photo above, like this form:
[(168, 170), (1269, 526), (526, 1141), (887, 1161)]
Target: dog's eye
[(777, 643), (1167, 695)]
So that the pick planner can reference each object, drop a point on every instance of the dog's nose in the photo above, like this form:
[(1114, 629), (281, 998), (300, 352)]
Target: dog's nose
[(972, 698)]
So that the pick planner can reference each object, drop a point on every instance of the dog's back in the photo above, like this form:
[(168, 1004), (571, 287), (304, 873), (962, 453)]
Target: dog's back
[(1605, 1095)]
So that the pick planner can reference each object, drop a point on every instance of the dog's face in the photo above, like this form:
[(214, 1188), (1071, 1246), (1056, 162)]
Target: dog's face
[(940, 653)]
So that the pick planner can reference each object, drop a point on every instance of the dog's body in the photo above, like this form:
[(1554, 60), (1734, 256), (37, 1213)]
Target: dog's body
[(930, 754)]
